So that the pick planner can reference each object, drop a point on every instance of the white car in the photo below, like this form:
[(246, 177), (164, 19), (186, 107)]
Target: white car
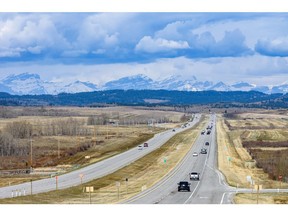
[(195, 154), (140, 147)]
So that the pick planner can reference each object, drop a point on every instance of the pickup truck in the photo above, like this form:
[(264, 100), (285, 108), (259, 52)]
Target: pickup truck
[(194, 176)]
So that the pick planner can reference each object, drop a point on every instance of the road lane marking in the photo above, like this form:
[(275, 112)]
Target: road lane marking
[(172, 173), (223, 198), (192, 193)]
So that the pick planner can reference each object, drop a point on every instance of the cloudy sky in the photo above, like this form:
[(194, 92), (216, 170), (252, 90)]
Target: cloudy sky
[(99, 47)]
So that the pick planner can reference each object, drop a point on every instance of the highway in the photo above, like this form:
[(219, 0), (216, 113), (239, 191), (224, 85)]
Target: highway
[(210, 189), (96, 170)]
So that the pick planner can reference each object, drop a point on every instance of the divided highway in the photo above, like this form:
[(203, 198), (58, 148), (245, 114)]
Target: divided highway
[(210, 189), (96, 170)]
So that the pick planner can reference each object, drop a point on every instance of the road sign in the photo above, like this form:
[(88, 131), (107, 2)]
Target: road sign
[(89, 189), (81, 175), (248, 178), (165, 160)]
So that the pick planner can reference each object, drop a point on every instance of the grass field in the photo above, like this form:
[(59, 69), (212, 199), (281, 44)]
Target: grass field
[(261, 198), (141, 174), (235, 161), (97, 142)]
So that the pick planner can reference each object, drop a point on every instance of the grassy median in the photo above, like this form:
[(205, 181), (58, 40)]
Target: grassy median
[(141, 175)]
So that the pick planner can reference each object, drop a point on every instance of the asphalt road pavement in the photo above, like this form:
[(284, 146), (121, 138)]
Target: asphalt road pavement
[(96, 170), (210, 189)]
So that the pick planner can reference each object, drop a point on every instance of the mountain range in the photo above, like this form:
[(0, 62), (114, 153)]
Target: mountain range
[(32, 84)]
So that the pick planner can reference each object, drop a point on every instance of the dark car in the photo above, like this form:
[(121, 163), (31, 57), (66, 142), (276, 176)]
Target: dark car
[(203, 151), (207, 143), (184, 185)]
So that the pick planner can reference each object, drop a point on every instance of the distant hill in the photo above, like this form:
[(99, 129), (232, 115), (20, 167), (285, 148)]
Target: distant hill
[(149, 98)]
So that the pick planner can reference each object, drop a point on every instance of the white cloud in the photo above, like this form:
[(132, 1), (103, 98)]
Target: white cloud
[(273, 47), (33, 34), (150, 45)]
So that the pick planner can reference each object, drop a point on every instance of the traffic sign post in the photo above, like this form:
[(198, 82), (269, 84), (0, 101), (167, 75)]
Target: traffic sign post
[(89, 189), (81, 177), (56, 177), (280, 180)]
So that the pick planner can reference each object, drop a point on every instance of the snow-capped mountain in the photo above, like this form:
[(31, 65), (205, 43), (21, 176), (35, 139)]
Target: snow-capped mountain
[(243, 86), (28, 83), (138, 82), (283, 88), (25, 83), (220, 86)]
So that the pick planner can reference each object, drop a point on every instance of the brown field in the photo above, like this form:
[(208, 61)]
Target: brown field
[(95, 141), (141, 175), (263, 131), (263, 198)]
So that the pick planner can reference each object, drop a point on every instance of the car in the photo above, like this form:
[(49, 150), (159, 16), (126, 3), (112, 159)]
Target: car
[(195, 154), (203, 151), (145, 144), (184, 185), (173, 130), (208, 132), (195, 176), (140, 147), (202, 132), (207, 143)]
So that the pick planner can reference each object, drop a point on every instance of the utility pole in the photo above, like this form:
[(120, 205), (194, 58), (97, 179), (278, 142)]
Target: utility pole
[(31, 152), (58, 147), (95, 135)]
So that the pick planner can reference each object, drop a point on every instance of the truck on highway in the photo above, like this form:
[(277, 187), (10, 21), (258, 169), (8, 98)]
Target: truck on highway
[(195, 176), (145, 144)]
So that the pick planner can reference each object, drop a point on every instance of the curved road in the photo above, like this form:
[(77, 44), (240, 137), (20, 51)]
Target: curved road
[(96, 170), (211, 189)]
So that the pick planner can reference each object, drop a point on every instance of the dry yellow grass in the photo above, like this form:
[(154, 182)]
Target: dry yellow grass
[(230, 146), (119, 138), (237, 169), (141, 174), (263, 198)]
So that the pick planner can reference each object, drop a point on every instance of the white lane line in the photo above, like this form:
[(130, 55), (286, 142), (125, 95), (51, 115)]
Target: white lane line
[(192, 193), (169, 176), (223, 198), (203, 169)]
